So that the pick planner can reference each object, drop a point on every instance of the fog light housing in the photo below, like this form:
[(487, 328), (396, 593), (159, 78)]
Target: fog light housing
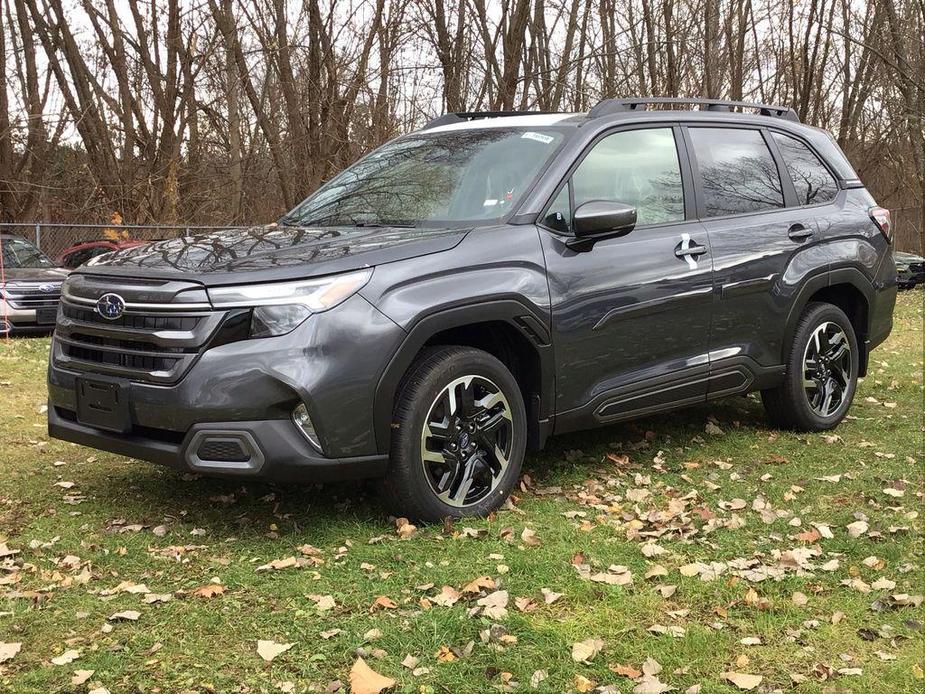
[(304, 423)]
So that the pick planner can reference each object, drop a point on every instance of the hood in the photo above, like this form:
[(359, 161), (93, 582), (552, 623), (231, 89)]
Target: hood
[(34, 274), (273, 252)]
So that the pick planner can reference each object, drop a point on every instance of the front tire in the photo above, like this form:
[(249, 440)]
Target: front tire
[(459, 432), (822, 372)]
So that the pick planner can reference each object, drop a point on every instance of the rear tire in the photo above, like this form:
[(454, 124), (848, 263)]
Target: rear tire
[(822, 372), (459, 432)]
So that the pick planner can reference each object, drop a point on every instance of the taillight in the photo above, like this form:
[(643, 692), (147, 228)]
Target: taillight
[(884, 222)]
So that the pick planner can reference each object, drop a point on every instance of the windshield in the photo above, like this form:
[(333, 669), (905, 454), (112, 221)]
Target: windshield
[(18, 253), (456, 176)]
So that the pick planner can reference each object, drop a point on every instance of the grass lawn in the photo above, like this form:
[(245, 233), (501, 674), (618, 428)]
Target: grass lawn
[(670, 539)]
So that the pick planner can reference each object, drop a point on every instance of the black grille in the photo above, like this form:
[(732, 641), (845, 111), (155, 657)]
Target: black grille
[(124, 360), (133, 321), (222, 450), (156, 340)]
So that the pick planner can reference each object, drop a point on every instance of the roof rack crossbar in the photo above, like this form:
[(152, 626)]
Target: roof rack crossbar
[(611, 106), (464, 116)]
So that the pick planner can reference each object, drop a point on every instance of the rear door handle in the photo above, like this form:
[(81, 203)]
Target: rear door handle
[(799, 232)]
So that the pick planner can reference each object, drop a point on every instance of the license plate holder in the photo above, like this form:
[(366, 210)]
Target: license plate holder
[(104, 404), (46, 316)]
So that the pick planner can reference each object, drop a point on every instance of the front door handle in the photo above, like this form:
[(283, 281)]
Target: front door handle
[(799, 232), (693, 250)]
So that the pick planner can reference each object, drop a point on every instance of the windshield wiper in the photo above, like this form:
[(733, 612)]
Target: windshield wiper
[(399, 225)]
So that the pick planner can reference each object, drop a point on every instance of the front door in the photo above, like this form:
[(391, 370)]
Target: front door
[(630, 315)]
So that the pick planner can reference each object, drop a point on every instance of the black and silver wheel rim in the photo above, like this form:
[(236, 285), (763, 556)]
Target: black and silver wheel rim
[(827, 369), (466, 441)]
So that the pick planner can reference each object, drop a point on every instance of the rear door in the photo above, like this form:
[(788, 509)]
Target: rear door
[(756, 226), (631, 314)]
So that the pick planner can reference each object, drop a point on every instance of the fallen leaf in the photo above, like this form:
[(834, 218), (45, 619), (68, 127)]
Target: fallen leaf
[(625, 671), (404, 528), (268, 650), (210, 590), (8, 651), (584, 651), (384, 603), (742, 680), (126, 615), (66, 657), (81, 676), (857, 528), (583, 684), (494, 604)]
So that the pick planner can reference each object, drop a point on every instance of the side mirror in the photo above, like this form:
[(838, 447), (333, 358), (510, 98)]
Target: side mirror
[(599, 217)]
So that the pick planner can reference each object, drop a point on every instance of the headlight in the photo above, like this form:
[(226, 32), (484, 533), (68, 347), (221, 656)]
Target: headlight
[(280, 307)]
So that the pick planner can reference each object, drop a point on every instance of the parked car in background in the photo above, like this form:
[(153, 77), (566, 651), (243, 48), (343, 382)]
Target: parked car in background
[(77, 255), (910, 269), (465, 291), (30, 287)]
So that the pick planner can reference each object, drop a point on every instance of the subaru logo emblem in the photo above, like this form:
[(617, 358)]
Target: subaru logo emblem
[(110, 306), (46, 288)]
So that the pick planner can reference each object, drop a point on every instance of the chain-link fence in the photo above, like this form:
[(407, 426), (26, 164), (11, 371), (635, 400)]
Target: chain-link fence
[(58, 239)]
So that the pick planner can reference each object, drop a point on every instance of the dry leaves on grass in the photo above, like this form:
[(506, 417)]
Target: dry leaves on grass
[(268, 650), (365, 680), (125, 616)]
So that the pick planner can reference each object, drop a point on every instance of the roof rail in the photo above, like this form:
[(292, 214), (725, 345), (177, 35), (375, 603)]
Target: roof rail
[(610, 106), (464, 116)]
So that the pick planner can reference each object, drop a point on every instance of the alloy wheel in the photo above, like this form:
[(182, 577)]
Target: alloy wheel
[(466, 441), (827, 369)]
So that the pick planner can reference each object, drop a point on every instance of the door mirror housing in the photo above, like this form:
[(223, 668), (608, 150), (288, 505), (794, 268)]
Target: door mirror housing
[(603, 218)]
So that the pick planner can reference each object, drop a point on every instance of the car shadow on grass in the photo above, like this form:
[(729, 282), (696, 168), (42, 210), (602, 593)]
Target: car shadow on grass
[(141, 493)]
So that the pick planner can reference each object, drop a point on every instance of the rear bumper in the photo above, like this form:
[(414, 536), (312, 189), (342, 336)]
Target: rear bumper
[(274, 450)]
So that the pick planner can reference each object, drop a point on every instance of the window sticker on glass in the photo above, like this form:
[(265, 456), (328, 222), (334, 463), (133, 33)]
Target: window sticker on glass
[(539, 137), (491, 202)]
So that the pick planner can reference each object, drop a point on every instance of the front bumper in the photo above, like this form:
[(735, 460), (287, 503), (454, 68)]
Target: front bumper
[(244, 393), (274, 448), (14, 321)]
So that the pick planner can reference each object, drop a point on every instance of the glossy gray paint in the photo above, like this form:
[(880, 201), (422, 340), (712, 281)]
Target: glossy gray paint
[(619, 327)]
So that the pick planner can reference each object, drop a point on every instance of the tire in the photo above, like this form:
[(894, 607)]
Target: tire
[(412, 486), (793, 405)]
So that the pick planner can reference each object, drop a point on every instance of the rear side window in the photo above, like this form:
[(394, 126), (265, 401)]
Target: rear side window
[(813, 182), (737, 171), (636, 167)]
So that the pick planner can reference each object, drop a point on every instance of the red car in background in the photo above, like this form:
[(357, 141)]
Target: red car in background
[(80, 253)]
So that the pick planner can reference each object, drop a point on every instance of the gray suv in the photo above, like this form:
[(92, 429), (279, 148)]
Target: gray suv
[(465, 291)]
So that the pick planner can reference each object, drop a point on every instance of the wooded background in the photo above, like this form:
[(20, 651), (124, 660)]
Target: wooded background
[(223, 111)]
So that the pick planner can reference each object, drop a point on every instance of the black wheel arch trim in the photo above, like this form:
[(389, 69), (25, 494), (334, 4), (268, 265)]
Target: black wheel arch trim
[(530, 322), (821, 280)]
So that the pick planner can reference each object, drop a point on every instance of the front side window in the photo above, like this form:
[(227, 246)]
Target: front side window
[(737, 171), (458, 176), (19, 253), (635, 167), (813, 182)]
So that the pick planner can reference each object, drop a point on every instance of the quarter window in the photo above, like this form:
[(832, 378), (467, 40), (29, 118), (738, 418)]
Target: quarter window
[(559, 214), (636, 167), (737, 171), (813, 182)]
